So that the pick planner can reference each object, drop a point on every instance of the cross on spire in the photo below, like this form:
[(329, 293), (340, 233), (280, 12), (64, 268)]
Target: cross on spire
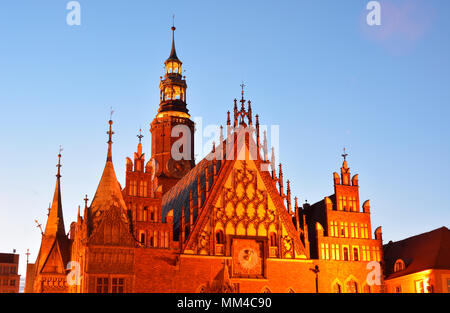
[(344, 155), (242, 92), (140, 136), (27, 254), (85, 201)]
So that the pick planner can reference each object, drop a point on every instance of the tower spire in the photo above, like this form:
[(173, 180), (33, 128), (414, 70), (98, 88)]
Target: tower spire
[(173, 52), (55, 221)]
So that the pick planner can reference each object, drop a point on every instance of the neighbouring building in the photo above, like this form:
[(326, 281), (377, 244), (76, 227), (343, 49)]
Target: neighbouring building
[(224, 224), (419, 264), (9, 277)]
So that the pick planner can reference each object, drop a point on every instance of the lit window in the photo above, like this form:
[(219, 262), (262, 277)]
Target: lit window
[(345, 254), (398, 289), (399, 265), (355, 254), (419, 286)]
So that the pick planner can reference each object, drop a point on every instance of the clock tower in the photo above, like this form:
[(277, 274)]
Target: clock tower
[(172, 129)]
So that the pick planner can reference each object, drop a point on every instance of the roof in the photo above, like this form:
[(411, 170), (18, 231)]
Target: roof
[(173, 52), (7, 258), (108, 191), (429, 250), (178, 195)]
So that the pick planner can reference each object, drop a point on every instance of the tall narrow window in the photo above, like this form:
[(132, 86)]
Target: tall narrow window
[(273, 239), (219, 237), (355, 254), (345, 254), (145, 214), (142, 239), (145, 189)]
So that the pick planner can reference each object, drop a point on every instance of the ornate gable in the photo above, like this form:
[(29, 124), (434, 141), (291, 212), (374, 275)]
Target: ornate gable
[(244, 202), (112, 229)]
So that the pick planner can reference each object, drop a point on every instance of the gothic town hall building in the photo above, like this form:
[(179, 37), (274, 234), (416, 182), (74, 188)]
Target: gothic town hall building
[(224, 224)]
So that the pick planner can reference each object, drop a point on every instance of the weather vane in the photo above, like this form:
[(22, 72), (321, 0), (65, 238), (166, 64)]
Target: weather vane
[(111, 113), (344, 155), (173, 20)]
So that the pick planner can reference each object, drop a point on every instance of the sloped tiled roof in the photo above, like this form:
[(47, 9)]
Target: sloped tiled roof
[(430, 250), (178, 195)]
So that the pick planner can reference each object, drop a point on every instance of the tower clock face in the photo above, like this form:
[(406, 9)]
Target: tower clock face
[(248, 258)]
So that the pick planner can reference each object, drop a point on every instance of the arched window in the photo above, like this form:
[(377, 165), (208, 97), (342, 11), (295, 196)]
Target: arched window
[(352, 286), (266, 290), (337, 288), (399, 265), (219, 237), (142, 239), (273, 239)]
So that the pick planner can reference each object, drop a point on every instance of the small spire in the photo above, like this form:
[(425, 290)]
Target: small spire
[(266, 157), (289, 196), (85, 201), (280, 179)]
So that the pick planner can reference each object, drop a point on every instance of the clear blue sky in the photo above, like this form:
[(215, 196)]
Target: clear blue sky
[(313, 67)]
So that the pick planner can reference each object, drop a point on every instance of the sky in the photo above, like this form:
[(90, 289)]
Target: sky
[(314, 68)]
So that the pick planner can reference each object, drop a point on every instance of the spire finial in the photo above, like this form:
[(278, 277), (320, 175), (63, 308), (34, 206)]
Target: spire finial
[(85, 201), (344, 155), (110, 133), (173, 53), (59, 162), (242, 95), (140, 136)]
